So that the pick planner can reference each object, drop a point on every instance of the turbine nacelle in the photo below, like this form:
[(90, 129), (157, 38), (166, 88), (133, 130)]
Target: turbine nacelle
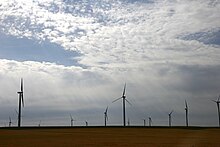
[(217, 101), (123, 96), (172, 112)]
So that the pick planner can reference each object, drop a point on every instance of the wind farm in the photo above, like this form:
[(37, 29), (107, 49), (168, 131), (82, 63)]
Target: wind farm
[(106, 119), (112, 130), (109, 73)]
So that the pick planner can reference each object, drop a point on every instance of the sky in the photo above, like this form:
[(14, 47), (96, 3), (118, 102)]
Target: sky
[(76, 55)]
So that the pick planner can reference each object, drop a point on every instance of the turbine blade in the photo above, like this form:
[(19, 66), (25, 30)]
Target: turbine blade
[(186, 104), (106, 110), (22, 98), (71, 117), (21, 84), (16, 111), (116, 99), (9, 118), (215, 101), (128, 102), (171, 112), (124, 90), (21, 93)]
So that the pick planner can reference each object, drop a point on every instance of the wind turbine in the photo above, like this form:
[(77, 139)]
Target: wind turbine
[(150, 121), (21, 99), (186, 109), (71, 120), (86, 123), (144, 122), (123, 97), (106, 115), (9, 123), (170, 118), (217, 102), (128, 122), (39, 123)]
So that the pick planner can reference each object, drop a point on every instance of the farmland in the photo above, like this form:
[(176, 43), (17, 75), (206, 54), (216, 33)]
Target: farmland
[(109, 136)]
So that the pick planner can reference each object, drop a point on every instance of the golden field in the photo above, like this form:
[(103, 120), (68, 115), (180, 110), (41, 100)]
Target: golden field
[(110, 136)]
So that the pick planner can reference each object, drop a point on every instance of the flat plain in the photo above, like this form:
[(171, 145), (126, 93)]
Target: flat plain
[(110, 136)]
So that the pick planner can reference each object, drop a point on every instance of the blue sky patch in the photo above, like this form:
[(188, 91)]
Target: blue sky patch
[(209, 37), (23, 49)]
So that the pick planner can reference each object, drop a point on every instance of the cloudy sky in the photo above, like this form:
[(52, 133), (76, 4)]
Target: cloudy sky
[(76, 55)]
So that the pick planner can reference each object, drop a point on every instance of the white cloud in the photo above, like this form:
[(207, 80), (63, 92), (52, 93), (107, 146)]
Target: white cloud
[(124, 33)]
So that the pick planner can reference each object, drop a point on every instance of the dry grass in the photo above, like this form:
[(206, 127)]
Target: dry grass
[(112, 136)]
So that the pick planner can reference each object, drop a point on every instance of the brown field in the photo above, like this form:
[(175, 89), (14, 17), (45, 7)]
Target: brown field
[(111, 136)]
